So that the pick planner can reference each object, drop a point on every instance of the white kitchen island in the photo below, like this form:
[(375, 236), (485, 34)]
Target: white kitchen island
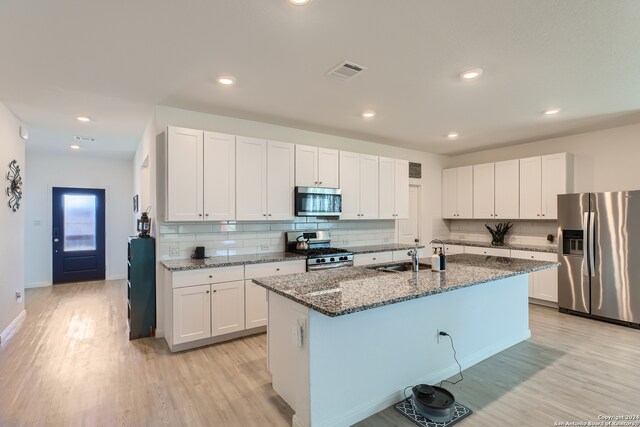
[(344, 344)]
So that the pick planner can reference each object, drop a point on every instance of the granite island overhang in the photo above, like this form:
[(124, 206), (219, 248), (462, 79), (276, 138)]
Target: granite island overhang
[(344, 343)]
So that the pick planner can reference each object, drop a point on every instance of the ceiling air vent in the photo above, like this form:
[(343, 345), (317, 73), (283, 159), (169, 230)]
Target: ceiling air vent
[(346, 70), (84, 138)]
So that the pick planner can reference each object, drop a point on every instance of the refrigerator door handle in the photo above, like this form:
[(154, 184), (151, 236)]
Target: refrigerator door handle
[(585, 248), (592, 244)]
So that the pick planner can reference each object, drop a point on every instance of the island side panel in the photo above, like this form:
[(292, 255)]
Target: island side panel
[(288, 353), (361, 362)]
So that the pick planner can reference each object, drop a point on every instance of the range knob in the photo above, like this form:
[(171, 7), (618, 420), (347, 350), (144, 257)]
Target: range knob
[(318, 261), (323, 260), (332, 259), (343, 258)]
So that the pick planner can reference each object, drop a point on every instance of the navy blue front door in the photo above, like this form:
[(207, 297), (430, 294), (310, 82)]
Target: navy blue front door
[(78, 235)]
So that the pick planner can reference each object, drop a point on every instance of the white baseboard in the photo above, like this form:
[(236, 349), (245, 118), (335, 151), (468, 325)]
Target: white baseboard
[(374, 406), (37, 285), (13, 327), (117, 277)]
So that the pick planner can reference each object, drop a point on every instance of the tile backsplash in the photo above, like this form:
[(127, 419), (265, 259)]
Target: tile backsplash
[(178, 240), (523, 232)]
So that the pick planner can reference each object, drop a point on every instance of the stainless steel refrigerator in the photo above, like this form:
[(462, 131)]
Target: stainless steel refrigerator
[(599, 248)]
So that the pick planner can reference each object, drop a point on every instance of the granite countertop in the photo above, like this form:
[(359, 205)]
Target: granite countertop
[(552, 248), (380, 248), (348, 290), (228, 261)]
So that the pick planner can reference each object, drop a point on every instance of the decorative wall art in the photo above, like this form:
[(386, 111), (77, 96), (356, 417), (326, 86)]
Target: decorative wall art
[(14, 190)]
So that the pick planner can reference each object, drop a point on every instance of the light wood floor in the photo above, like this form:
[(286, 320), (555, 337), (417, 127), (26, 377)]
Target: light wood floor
[(72, 364)]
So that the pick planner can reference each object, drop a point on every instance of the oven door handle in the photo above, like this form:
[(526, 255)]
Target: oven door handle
[(325, 266)]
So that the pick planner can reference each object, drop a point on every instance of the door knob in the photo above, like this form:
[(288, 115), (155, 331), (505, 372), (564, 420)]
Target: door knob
[(56, 240)]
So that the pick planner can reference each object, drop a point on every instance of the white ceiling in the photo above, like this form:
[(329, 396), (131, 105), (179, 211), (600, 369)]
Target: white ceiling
[(115, 60)]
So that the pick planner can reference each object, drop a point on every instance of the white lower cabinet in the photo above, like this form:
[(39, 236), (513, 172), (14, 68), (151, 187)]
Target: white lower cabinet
[(543, 285), (256, 306), (403, 255), (191, 313), (210, 305), (372, 258), (487, 251), (453, 249), (227, 308)]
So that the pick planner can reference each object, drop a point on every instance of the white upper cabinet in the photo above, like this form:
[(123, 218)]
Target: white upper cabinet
[(457, 192), (219, 176), (328, 168), (531, 188), (280, 180), (393, 202), (306, 166), (184, 174), (483, 191), (316, 167), (264, 179), (251, 179), (368, 186), (507, 190), (350, 184), (541, 180), (556, 179)]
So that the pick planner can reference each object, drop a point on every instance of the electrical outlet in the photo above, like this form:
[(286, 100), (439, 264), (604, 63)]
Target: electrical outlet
[(174, 250), (438, 336), (18, 295)]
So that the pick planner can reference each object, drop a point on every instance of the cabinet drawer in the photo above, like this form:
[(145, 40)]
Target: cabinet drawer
[(537, 256), (487, 251), (402, 255), (373, 258), (453, 249), (204, 276), (275, 269)]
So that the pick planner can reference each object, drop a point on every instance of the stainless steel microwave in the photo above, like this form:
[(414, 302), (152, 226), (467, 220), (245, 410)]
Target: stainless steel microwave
[(316, 201)]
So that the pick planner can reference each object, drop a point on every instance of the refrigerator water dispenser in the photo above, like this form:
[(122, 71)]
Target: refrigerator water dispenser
[(572, 242)]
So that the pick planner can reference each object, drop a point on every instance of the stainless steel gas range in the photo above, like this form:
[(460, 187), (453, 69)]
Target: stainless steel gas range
[(320, 254)]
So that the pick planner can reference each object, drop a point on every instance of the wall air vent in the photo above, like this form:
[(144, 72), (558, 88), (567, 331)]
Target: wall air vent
[(84, 138), (346, 70)]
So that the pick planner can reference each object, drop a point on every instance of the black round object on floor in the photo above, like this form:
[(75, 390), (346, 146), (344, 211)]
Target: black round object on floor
[(434, 403)]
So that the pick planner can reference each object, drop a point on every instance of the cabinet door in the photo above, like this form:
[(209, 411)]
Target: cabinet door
[(401, 182), (256, 308), (450, 193), (306, 166), (328, 168), (554, 182), (251, 179), (350, 185), (386, 186), (530, 188), (219, 176), (465, 192), (368, 186), (507, 190), (280, 180), (227, 307), (483, 191), (191, 313), (546, 285), (184, 174), (373, 258)]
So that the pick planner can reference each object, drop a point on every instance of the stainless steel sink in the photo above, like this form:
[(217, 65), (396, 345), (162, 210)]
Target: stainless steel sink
[(400, 267)]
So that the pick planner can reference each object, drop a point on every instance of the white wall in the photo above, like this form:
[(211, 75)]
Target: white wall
[(11, 223), (74, 170), (606, 160), (144, 171)]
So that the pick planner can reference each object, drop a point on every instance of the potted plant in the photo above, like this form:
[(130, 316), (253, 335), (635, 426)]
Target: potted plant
[(497, 235)]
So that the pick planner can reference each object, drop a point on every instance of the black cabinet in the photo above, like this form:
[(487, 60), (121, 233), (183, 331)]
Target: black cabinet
[(141, 287)]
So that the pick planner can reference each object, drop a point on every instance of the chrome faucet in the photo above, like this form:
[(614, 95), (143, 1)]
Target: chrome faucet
[(440, 242), (415, 256)]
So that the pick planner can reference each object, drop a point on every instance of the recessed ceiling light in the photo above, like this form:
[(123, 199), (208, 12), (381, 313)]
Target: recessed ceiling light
[(369, 114), (74, 147), (551, 111), (299, 2), (226, 80), (452, 135), (83, 119), (471, 74)]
